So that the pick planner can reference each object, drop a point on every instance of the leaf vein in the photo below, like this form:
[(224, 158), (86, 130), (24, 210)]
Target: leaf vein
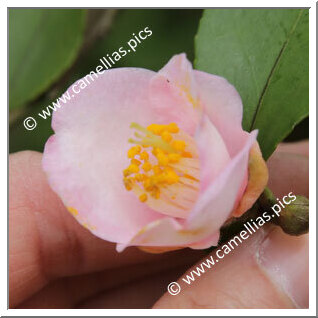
[(260, 102)]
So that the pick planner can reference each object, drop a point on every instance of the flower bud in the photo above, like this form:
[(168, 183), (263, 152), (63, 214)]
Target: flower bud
[(294, 218)]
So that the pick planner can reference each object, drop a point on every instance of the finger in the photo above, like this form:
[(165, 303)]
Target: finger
[(289, 170), (299, 147), (268, 270), (45, 242), (244, 280), (84, 290), (141, 293), (33, 193)]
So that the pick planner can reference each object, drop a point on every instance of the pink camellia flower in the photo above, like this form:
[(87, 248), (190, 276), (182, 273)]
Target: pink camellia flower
[(155, 160)]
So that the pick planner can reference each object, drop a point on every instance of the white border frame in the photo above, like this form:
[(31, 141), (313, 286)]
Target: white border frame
[(312, 163)]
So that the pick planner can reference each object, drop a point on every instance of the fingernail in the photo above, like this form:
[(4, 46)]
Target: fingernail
[(284, 259)]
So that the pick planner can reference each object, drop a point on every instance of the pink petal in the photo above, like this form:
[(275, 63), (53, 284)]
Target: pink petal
[(85, 158), (223, 105), (165, 232), (212, 240), (256, 181), (179, 71), (213, 208), (214, 156), (173, 93), (216, 204)]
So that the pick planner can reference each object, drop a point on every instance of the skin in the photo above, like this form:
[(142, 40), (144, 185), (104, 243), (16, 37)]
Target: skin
[(56, 263)]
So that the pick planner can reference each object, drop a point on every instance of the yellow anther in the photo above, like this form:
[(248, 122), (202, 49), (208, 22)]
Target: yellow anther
[(172, 177), (144, 156), (140, 177), (186, 154), (158, 178), (155, 164), (155, 151), (156, 169), (128, 184), (133, 151), (126, 172), (147, 166), (179, 145), (174, 157), (156, 193), (72, 210), (133, 168), (135, 162), (172, 128), (162, 159), (167, 169), (143, 197), (166, 136), (148, 185), (156, 129)]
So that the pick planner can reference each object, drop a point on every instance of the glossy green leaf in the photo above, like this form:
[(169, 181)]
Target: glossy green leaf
[(264, 54), (172, 33), (43, 43)]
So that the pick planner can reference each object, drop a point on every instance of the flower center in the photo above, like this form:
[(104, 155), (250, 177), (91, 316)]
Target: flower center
[(164, 168)]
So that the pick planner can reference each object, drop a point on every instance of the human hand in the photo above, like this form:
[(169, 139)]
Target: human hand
[(56, 263)]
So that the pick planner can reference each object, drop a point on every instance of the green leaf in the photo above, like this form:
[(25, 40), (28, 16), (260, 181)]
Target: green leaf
[(43, 43), (172, 33), (264, 54)]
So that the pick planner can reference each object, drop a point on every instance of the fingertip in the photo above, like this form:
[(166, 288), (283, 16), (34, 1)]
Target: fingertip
[(288, 172), (298, 147), (284, 259), (242, 279)]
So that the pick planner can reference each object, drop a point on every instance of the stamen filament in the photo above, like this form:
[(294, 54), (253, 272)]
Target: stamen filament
[(164, 168)]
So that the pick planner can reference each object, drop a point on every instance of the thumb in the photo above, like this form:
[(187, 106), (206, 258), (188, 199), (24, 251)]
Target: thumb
[(267, 270)]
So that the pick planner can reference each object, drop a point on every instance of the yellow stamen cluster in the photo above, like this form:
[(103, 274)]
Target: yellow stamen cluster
[(151, 158)]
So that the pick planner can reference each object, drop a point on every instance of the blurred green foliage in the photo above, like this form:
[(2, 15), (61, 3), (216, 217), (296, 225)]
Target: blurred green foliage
[(45, 78), (173, 33), (43, 43)]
